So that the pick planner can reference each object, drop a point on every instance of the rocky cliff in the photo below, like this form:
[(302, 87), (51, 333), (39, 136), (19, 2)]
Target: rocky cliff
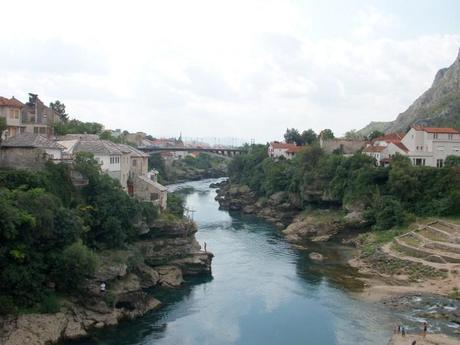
[(438, 106), (166, 253)]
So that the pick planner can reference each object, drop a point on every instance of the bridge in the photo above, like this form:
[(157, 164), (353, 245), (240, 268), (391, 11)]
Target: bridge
[(221, 151)]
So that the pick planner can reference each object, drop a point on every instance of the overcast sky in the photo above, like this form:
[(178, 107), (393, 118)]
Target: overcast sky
[(247, 69)]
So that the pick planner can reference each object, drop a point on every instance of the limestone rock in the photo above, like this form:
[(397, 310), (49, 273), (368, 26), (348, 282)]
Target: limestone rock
[(170, 276)]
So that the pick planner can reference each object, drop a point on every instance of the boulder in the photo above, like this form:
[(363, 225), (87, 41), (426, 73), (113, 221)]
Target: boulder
[(148, 276), (109, 271), (170, 276)]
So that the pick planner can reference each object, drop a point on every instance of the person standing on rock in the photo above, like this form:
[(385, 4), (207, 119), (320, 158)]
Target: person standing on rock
[(205, 245), (403, 331), (425, 329), (102, 287)]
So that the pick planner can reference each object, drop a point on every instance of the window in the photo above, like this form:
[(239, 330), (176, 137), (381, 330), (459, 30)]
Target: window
[(154, 196), (36, 129), (42, 130), (14, 114), (455, 149), (114, 160), (450, 136), (435, 135), (439, 163), (134, 162)]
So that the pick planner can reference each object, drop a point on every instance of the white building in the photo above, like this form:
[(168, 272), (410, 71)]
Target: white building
[(288, 151), (429, 146), (385, 147)]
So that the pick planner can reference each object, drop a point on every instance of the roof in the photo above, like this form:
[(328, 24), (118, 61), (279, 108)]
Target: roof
[(12, 102), (98, 147), (374, 149), (390, 137), (285, 146), (31, 140), (82, 136), (294, 149), (156, 185), (401, 146), (132, 150), (448, 130)]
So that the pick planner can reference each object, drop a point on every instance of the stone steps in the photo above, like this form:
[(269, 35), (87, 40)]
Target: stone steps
[(427, 254)]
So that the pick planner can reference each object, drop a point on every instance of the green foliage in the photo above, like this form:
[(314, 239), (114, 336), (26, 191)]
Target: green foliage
[(452, 161), (353, 135), (74, 265), (47, 228), (157, 162), (107, 135), (7, 305), (50, 304), (309, 137), (175, 204), (59, 108), (110, 299), (77, 127), (293, 136), (391, 196), (327, 134), (375, 134)]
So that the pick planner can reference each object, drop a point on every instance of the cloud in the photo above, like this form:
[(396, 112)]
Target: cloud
[(211, 68)]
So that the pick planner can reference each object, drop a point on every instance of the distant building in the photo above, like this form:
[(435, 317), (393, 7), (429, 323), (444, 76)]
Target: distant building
[(38, 118), (385, 147), (122, 162), (28, 151), (277, 150), (429, 146), (10, 109), (32, 117)]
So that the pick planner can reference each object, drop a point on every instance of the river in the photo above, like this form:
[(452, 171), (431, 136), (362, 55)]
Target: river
[(262, 291)]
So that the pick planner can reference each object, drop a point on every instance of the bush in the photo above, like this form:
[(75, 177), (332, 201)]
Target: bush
[(50, 304), (7, 305), (175, 205), (76, 263)]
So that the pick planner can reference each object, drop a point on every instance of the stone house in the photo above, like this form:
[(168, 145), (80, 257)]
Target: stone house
[(38, 118), (10, 109), (288, 151), (29, 151), (429, 146), (147, 188)]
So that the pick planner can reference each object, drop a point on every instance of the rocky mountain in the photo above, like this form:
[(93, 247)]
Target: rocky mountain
[(438, 106)]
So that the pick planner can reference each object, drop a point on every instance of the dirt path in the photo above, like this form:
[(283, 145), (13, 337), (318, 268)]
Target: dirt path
[(431, 339)]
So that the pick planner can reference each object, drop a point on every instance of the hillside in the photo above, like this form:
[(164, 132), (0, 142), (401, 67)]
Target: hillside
[(438, 106)]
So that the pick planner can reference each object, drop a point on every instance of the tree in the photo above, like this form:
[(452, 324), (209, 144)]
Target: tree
[(353, 135), (59, 108), (452, 161), (292, 136), (308, 137), (326, 134), (375, 134)]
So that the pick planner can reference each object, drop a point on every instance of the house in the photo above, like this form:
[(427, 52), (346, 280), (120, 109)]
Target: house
[(38, 118), (28, 151), (385, 147), (288, 151), (32, 117), (10, 109), (114, 160), (429, 146), (147, 188)]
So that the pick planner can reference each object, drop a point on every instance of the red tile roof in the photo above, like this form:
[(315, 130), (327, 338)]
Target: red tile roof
[(285, 146), (448, 130), (12, 102), (390, 137), (401, 146), (295, 149)]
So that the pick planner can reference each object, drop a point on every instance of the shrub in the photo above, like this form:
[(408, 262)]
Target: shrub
[(50, 304), (7, 305)]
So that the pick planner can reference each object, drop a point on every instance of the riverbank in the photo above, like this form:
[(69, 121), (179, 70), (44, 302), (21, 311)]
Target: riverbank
[(388, 272), (430, 339), (166, 253)]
